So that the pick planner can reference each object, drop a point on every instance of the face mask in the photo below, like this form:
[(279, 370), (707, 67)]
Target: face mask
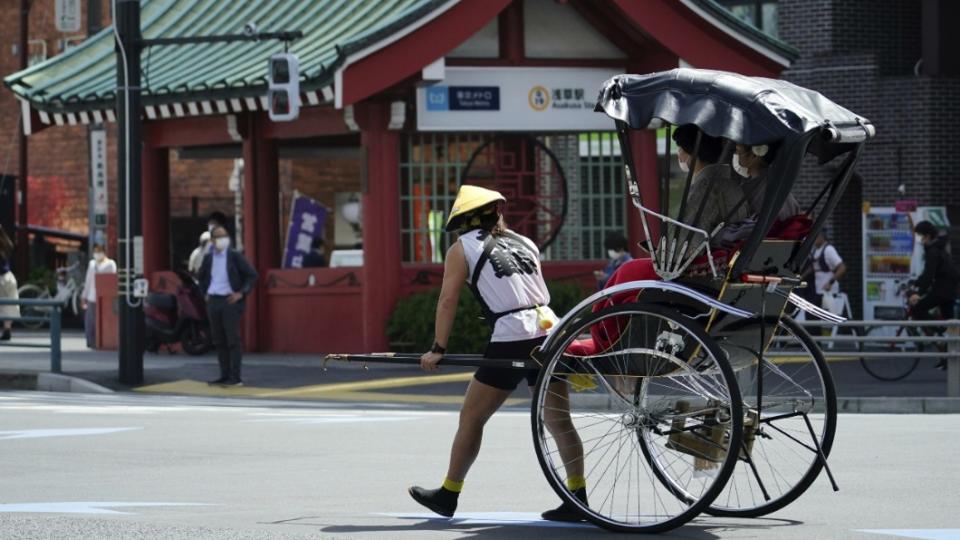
[(613, 254), (740, 169), (683, 165), (99, 256), (221, 243)]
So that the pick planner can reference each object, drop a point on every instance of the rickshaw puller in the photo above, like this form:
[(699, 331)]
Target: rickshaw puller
[(503, 271)]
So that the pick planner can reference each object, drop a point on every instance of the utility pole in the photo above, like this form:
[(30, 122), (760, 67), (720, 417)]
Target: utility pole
[(23, 236), (130, 241)]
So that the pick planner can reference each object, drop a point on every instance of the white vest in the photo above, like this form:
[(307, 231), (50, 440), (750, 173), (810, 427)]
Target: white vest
[(509, 280)]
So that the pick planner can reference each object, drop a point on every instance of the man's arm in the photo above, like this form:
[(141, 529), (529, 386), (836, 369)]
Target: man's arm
[(248, 274), (454, 276)]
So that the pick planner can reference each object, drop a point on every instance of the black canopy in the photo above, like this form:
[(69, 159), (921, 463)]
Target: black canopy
[(747, 110)]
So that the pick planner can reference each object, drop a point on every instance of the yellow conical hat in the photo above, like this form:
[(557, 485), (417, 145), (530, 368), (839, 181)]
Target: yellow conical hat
[(470, 198)]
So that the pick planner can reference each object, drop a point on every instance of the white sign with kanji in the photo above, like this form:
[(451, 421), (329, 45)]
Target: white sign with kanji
[(67, 15), (98, 176)]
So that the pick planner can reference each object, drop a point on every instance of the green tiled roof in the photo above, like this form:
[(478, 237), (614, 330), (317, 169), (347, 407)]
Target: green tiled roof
[(748, 30), (84, 78)]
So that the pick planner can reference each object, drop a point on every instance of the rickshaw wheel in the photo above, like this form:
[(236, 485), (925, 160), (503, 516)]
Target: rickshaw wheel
[(661, 378), (796, 379)]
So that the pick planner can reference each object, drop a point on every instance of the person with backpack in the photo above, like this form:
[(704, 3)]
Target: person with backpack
[(828, 268), (502, 269), (937, 284)]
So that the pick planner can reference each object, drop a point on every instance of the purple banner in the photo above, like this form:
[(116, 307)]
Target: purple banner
[(307, 219)]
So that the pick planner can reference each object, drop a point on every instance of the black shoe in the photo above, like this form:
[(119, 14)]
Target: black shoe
[(5, 336), (233, 383), (566, 511), (942, 364), (440, 500), (221, 380)]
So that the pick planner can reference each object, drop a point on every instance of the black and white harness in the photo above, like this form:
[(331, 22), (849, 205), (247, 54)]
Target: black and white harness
[(506, 262)]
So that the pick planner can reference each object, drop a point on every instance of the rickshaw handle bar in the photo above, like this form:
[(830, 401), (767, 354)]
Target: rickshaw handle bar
[(468, 360)]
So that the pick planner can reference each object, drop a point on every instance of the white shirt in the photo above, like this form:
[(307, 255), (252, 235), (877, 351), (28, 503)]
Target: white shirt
[(833, 260), (108, 266), (510, 279), (196, 259), (219, 279)]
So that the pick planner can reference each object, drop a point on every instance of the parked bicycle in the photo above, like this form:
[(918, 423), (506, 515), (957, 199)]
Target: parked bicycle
[(67, 290), (895, 369)]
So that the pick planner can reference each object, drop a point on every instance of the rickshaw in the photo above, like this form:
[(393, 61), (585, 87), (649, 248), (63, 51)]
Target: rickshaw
[(692, 389)]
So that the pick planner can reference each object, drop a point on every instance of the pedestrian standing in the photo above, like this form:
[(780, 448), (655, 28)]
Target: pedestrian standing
[(828, 268), (8, 285), (100, 264), (226, 277), (617, 254)]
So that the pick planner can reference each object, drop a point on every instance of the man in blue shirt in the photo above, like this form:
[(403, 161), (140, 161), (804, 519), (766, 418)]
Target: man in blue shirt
[(226, 277)]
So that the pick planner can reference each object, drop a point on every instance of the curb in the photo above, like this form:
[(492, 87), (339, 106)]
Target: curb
[(49, 382)]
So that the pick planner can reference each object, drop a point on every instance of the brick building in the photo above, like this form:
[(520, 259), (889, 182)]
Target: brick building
[(895, 62)]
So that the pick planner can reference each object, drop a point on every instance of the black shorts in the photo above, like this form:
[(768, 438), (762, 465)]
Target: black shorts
[(507, 378)]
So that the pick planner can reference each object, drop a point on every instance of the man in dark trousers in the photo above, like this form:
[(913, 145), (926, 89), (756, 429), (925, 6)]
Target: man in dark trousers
[(226, 277), (937, 285)]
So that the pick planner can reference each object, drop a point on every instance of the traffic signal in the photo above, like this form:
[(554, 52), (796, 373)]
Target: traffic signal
[(283, 94)]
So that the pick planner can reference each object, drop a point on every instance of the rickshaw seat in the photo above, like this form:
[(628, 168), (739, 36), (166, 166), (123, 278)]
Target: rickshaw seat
[(601, 335)]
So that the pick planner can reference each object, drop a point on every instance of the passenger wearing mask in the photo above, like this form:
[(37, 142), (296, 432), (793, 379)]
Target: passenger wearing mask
[(616, 246), (711, 182), (196, 256), (753, 163), (100, 264)]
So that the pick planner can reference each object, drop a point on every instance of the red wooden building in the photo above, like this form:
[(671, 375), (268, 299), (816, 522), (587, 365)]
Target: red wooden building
[(421, 95)]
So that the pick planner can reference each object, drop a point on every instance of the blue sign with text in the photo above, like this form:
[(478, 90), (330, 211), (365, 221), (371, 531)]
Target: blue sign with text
[(463, 98)]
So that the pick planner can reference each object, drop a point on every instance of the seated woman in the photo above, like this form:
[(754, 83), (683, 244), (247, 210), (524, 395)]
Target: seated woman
[(711, 186), (753, 163)]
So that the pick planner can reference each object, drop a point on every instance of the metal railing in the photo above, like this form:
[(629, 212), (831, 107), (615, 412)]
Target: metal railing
[(53, 316), (951, 339)]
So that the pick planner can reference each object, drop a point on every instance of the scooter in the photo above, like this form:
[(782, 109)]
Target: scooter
[(178, 318)]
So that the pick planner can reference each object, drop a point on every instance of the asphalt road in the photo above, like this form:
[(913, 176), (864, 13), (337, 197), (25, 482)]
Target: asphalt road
[(123, 466)]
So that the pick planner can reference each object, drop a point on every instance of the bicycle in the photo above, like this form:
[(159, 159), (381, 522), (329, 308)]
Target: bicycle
[(67, 291), (895, 369)]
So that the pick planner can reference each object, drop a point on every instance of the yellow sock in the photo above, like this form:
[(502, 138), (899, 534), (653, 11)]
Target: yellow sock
[(452, 485), (576, 482)]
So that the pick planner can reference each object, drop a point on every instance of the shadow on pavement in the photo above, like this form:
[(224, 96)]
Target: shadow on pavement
[(705, 528)]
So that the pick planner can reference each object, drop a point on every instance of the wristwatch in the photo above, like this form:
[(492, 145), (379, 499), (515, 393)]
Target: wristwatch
[(437, 348)]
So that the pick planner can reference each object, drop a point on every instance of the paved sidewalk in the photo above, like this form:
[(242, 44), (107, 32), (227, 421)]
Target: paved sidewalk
[(296, 376)]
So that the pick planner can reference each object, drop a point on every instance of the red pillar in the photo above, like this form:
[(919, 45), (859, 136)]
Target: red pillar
[(249, 223), (643, 146), (267, 188), (381, 222), (155, 198)]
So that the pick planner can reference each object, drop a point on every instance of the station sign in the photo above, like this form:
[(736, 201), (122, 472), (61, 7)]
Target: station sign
[(514, 99)]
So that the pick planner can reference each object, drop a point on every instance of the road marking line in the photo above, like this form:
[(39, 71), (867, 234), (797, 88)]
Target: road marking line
[(66, 432), (395, 382), (921, 534), (80, 507)]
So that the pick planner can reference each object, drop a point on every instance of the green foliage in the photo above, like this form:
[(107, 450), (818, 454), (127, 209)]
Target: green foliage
[(42, 277), (411, 324)]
